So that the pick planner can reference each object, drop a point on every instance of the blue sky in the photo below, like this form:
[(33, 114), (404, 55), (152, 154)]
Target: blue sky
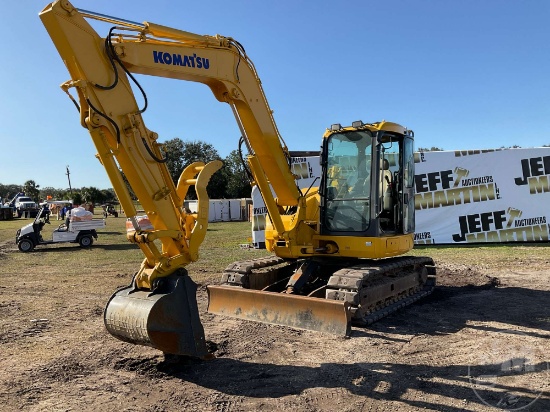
[(468, 74)]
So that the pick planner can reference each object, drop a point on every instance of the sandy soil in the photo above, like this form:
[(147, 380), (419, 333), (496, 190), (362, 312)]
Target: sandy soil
[(480, 342)]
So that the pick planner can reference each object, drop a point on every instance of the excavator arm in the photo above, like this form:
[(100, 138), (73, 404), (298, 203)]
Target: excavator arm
[(108, 109), (102, 72)]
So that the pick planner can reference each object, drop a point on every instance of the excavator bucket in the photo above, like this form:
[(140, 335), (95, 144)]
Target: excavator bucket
[(166, 319), (301, 312)]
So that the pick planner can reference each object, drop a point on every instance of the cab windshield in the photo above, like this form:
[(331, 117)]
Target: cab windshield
[(348, 185)]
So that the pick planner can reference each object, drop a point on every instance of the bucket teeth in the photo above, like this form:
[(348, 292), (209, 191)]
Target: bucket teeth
[(166, 319)]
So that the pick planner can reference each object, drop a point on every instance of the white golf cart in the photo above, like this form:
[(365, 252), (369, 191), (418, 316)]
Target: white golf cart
[(81, 232)]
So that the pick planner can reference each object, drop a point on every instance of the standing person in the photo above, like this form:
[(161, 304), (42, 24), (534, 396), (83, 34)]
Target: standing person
[(63, 212)]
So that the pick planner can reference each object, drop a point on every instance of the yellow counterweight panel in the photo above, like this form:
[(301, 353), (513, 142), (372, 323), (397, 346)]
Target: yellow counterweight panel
[(343, 246)]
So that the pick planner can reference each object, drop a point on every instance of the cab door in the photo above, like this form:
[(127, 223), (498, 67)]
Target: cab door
[(407, 195)]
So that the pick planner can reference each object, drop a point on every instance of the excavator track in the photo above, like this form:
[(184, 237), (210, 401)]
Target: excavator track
[(376, 290), (256, 273), (359, 292)]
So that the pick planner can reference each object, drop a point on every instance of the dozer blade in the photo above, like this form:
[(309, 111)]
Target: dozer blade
[(166, 319), (300, 312)]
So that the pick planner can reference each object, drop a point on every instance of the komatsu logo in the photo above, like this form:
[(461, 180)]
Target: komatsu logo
[(179, 60), (501, 226), (535, 174), (452, 187)]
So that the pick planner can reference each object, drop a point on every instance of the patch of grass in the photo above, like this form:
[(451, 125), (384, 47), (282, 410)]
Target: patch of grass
[(112, 254), (488, 255), (222, 247)]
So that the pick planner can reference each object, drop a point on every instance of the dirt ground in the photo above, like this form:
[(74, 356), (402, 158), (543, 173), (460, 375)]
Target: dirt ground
[(480, 342)]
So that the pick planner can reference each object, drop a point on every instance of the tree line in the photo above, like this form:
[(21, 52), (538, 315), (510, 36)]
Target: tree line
[(230, 182), (77, 195)]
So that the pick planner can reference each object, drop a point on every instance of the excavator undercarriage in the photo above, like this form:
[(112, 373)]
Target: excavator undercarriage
[(356, 291)]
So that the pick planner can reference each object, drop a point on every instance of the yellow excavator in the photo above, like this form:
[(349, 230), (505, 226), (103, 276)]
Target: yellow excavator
[(337, 247)]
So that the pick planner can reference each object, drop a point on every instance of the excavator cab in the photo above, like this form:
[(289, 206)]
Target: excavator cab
[(347, 169), (367, 182)]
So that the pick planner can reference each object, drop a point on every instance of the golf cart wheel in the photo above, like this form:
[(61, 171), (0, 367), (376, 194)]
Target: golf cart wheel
[(86, 241), (25, 245)]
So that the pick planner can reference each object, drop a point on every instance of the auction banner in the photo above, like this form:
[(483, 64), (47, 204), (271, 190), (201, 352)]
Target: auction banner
[(482, 196), (470, 196), (307, 170)]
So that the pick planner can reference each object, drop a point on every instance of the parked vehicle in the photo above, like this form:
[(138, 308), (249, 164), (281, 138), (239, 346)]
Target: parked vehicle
[(6, 211), (109, 210), (81, 232), (23, 205)]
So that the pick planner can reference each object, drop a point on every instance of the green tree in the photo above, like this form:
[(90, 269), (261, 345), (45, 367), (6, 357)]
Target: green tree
[(180, 154), (174, 153), (92, 195), (56, 194), (32, 190), (109, 195), (7, 192), (77, 198), (238, 185)]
